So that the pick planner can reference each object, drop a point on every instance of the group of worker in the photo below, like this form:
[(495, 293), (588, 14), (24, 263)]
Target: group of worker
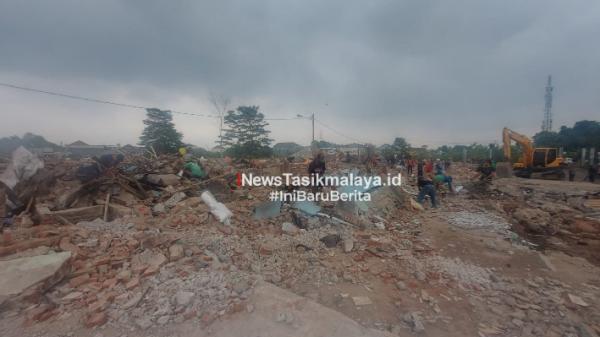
[(592, 171), (430, 176)]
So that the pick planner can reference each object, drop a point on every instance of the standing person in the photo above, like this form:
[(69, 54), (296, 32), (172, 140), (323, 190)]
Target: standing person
[(571, 173), (316, 168), (426, 187), (420, 168), (592, 172), (409, 166), (3, 212), (439, 167), (429, 166)]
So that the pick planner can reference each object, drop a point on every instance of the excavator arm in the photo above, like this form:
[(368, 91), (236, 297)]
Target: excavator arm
[(525, 143)]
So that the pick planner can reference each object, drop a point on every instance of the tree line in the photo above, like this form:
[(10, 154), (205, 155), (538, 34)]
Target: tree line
[(583, 134), (245, 133)]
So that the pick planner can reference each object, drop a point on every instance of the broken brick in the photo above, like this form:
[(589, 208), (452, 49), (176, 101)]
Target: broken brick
[(79, 280), (96, 319)]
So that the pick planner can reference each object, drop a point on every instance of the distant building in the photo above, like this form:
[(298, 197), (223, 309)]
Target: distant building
[(218, 149), (353, 150), (286, 149), (80, 149), (130, 149)]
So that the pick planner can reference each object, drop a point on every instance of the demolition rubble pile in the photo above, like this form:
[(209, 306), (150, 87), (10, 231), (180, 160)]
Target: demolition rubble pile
[(139, 246), (138, 243), (120, 258), (555, 211)]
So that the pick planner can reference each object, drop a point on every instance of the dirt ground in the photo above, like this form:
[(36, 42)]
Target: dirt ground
[(467, 268)]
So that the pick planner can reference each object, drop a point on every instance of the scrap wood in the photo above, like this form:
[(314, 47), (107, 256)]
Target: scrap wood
[(131, 190), (63, 220), (78, 214), (370, 251), (199, 183), (86, 188), (142, 191), (303, 246), (106, 203), (30, 203), (28, 244), (331, 217), (21, 234), (592, 203)]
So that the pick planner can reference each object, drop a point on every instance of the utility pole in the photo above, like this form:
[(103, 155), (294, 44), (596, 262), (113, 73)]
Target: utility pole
[(313, 126), (312, 118), (221, 133)]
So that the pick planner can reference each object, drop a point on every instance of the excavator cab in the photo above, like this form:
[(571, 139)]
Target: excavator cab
[(546, 157)]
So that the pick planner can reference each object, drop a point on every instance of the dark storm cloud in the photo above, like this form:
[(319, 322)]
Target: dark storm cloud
[(432, 71)]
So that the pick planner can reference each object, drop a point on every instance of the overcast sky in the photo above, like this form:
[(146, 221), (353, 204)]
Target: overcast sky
[(433, 72)]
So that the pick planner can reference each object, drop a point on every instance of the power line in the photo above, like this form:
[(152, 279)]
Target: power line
[(282, 119), (337, 132), (132, 106), (125, 105), (96, 100)]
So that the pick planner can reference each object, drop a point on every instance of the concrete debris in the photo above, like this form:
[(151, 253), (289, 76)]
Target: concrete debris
[(464, 273), (175, 199), (184, 298), (289, 228), (176, 252), (31, 276), (160, 259), (416, 206), (380, 225), (413, 319), (159, 208), (361, 300), (331, 240), (269, 209), (163, 179), (471, 220), (308, 207), (348, 245), (578, 300), (23, 166), (535, 220)]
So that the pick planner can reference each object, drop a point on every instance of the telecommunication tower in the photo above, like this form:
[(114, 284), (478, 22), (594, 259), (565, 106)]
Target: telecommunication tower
[(547, 123)]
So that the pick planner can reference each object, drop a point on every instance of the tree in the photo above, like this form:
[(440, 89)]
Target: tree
[(582, 134), (401, 146), (286, 149), (398, 149), (246, 136), (547, 139), (160, 132)]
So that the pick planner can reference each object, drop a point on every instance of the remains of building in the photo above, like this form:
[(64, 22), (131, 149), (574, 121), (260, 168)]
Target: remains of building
[(141, 248)]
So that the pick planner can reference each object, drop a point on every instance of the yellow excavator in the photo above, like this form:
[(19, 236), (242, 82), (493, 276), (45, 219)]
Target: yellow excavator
[(536, 162)]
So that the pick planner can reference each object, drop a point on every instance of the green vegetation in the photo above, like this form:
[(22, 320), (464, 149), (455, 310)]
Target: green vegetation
[(160, 132), (246, 135)]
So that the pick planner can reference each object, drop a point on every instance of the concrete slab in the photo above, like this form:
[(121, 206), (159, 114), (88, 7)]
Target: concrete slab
[(269, 209), (32, 275), (278, 312)]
